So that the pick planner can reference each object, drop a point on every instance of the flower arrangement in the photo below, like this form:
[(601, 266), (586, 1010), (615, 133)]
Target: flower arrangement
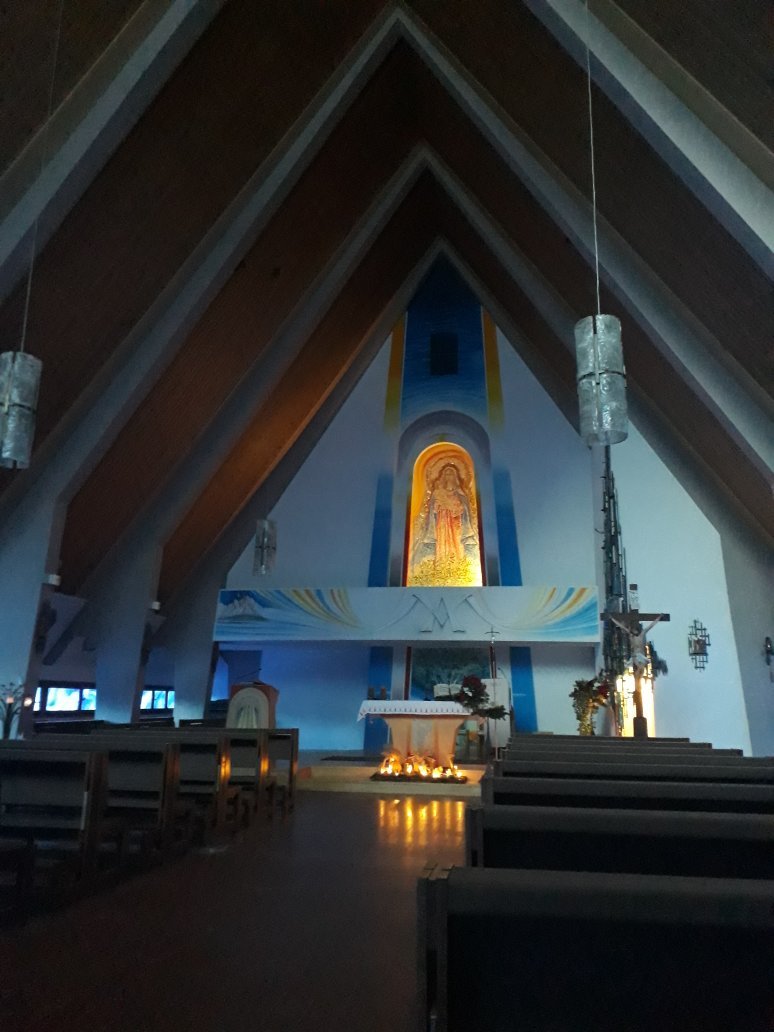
[(587, 697), (473, 696)]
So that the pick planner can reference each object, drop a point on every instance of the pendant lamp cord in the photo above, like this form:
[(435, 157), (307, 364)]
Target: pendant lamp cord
[(44, 140), (593, 171)]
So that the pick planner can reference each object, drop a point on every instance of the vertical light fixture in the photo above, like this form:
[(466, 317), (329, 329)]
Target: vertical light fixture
[(19, 371), (265, 546), (601, 375), (19, 382)]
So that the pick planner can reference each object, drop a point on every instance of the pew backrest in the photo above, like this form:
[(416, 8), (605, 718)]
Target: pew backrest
[(719, 845), (142, 775), (54, 793), (659, 795), (728, 769), (634, 952)]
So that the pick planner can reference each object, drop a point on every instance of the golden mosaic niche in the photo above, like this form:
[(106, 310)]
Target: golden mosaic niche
[(444, 546)]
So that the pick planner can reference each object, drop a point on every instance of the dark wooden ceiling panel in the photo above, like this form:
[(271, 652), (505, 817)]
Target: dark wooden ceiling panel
[(27, 39), (726, 45), (535, 81), (329, 200), (326, 356), (222, 112)]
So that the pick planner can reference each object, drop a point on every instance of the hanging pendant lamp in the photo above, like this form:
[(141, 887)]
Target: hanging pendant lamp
[(601, 380), (19, 384), (601, 376), (19, 371)]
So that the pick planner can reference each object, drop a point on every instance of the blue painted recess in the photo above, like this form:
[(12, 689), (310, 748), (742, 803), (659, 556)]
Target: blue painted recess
[(443, 304), (507, 539), (523, 688)]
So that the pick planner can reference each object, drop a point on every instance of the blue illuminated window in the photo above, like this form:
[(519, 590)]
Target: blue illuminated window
[(157, 699), (63, 700), (72, 697)]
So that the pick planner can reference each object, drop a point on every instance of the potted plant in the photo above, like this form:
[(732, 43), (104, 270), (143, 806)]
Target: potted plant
[(473, 696), (587, 697)]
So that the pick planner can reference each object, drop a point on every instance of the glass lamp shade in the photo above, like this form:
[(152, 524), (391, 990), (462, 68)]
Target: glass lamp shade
[(19, 384), (601, 380), (265, 546)]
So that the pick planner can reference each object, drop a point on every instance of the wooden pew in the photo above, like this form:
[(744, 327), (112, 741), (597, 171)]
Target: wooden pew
[(17, 865), (55, 799), (142, 785), (717, 845), (587, 952), (619, 747), (204, 779), (718, 796), (722, 768), (283, 750), (549, 736), (282, 744)]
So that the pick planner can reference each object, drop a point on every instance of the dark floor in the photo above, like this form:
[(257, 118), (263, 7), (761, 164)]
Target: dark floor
[(304, 926)]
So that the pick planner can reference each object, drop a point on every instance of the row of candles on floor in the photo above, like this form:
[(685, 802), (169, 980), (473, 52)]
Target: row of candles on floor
[(418, 768)]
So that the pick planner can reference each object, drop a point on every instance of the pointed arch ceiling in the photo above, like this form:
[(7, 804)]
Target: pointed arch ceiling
[(231, 109)]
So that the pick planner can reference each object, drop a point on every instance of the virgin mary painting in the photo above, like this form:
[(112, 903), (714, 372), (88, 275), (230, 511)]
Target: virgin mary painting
[(444, 545)]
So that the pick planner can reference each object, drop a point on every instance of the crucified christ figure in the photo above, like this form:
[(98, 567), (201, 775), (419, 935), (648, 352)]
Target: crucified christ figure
[(635, 632)]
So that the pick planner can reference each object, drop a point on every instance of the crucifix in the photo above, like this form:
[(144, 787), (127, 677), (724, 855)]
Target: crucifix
[(631, 624)]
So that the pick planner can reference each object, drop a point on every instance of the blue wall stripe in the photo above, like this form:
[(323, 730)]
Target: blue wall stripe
[(523, 688), (378, 567), (507, 540)]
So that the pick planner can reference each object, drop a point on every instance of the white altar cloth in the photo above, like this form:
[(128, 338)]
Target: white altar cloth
[(419, 728), (409, 708)]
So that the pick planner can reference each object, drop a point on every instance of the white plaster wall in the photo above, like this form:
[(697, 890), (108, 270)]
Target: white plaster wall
[(550, 479), (325, 517), (554, 670), (674, 555)]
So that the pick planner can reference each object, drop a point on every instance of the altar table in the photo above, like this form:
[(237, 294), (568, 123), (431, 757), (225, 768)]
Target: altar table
[(419, 728)]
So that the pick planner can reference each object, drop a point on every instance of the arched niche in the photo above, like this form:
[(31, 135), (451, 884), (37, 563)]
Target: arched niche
[(443, 533), (462, 430), (252, 705)]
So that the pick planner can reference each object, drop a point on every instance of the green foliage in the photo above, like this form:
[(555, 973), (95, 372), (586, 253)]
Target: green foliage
[(587, 697), (473, 696)]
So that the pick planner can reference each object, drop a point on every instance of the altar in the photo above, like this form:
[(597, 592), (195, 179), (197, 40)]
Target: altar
[(419, 728)]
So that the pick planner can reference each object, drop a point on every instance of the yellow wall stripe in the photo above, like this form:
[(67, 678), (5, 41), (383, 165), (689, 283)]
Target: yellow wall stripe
[(395, 376), (494, 387)]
